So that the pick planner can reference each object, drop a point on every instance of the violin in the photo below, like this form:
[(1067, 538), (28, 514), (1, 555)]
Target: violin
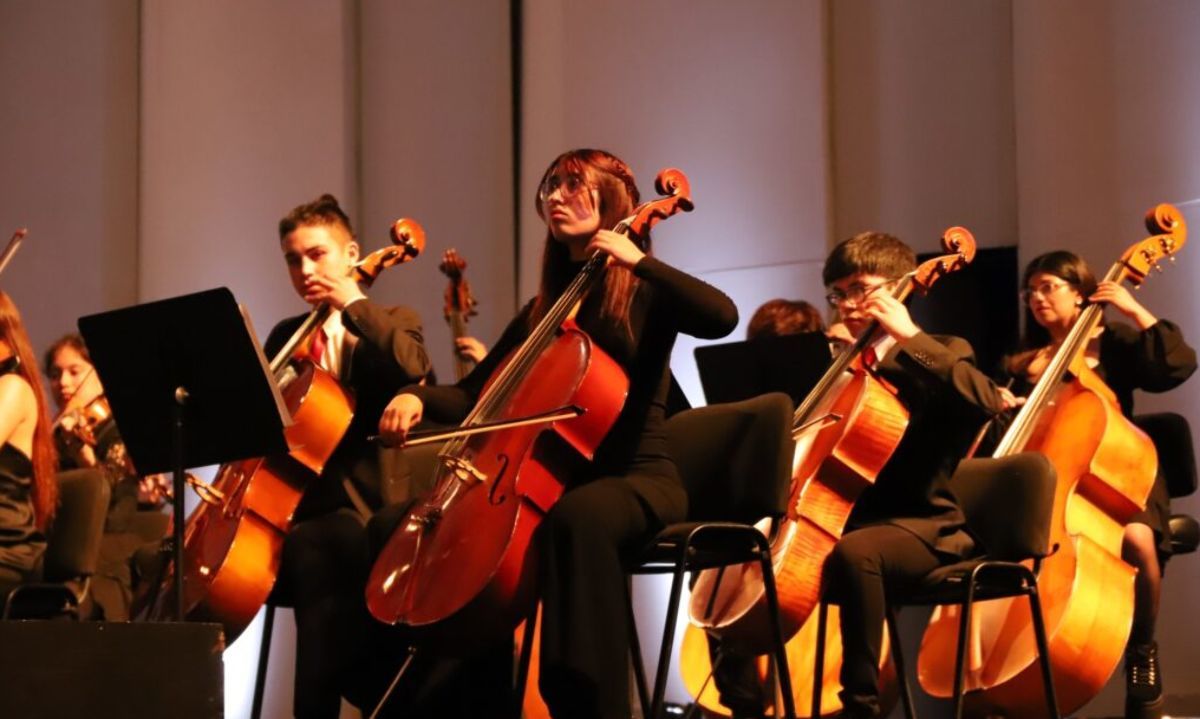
[(847, 429), (233, 540), (459, 306), (462, 562), (1106, 467)]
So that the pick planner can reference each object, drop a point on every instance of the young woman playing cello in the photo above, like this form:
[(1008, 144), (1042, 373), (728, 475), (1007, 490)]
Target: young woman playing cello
[(28, 487), (632, 488), (1151, 355)]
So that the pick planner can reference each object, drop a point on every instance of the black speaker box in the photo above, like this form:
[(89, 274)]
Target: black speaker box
[(97, 670)]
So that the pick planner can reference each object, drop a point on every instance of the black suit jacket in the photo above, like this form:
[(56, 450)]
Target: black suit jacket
[(390, 354), (948, 400)]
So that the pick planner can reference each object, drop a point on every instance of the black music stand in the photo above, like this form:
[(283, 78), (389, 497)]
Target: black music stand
[(189, 387), (740, 370)]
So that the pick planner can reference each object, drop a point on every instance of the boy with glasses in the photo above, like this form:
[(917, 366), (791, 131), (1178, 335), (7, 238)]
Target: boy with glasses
[(908, 523)]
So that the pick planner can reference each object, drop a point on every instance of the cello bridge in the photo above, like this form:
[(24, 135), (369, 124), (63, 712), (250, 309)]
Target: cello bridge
[(463, 470)]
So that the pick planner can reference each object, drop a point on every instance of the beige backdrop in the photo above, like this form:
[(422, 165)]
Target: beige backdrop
[(152, 146)]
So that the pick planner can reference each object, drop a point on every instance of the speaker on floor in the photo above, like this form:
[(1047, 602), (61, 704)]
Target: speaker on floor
[(55, 669)]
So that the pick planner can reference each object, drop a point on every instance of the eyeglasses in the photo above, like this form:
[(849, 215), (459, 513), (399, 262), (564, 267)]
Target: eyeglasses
[(1045, 289), (854, 294), (570, 185)]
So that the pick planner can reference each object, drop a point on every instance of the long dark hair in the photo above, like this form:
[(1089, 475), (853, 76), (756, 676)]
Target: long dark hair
[(45, 483), (618, 198), (1066, 266)]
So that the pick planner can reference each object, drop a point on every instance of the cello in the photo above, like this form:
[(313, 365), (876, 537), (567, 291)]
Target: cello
[(462, 562), (695, 666), (847, 429), (459, 307), (1106, 467), (233, 539)]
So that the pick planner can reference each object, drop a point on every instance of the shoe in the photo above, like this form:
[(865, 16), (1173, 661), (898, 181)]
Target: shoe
[(1143, 682)]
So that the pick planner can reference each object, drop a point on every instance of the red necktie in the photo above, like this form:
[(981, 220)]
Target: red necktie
[(869, 357), (316, 347)]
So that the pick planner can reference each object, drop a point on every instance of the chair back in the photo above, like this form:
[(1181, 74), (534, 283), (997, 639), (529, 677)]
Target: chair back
[(735, 459), (1008, 502), (1172, 438), (73, 543)]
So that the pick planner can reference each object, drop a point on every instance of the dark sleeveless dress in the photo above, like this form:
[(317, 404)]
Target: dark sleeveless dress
[(21, 544)]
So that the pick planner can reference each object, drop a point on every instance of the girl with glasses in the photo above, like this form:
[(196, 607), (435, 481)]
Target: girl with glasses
[(1144, 352), (631, 489)]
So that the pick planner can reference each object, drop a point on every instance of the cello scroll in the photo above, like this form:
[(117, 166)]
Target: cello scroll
[(1168, 234), (678, 198)]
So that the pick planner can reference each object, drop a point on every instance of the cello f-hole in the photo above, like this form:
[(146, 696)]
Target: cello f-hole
[(493, 498)]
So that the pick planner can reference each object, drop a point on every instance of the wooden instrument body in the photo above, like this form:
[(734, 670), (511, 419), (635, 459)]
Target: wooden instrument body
[(232, 545), (696, 668), (1106, 467), (834, 463), (465, 559)]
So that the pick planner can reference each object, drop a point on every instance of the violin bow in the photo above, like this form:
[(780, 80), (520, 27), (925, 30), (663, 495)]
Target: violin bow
[(13, 244)]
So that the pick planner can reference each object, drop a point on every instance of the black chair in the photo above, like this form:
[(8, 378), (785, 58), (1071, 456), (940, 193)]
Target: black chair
[(1172, 438), (735, 461), (72, 550), (1008, 504)]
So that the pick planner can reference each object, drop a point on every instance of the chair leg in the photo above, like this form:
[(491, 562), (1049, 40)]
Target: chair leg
[(264, 657), (893, 628), (523, 662), (781, 664), (819, 662), (635, 655), (964, 631), (1039, 632), (664, 657)]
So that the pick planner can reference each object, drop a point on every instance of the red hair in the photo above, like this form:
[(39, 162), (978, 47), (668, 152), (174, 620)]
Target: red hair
[(618, 192), (45, 483), (784, 317)]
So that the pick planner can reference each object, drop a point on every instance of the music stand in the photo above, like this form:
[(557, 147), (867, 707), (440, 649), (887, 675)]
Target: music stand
[(188, 386), (740, 370)]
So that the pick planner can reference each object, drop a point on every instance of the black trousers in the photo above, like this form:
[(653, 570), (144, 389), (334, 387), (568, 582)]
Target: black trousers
[(736, 676), (323, 569), (863, 565), (585, 632)]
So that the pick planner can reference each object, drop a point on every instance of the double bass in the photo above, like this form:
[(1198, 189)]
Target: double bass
[(459, 306), (846, 429), (1106, 467), (233, 539), (462, 562)]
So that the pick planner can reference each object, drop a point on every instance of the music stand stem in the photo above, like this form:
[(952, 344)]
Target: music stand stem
[(181, 395)]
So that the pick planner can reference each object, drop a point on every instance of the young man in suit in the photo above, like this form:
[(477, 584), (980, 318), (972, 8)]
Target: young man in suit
[(372, 350), (908, 523)]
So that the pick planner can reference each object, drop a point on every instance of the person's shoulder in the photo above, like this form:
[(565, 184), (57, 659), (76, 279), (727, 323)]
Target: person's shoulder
[(15, 388)]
